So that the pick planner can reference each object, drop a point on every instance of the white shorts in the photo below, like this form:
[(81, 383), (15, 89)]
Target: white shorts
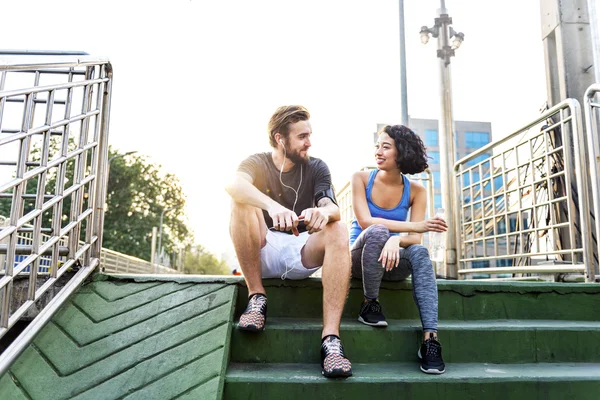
[(280, 258)]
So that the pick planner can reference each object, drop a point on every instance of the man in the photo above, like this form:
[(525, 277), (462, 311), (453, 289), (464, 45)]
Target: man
[(272, 194)]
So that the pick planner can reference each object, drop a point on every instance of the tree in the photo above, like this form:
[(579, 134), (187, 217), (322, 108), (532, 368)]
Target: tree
[(199, 261), (137, 194)]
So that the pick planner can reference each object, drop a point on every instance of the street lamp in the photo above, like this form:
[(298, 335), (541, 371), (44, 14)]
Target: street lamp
[(445, 33), (162, 214), (110, 160)]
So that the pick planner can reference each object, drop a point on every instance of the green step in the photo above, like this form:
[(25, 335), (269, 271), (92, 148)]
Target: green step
[(289, 340), (406, 381), (458, 300), (122, 339)]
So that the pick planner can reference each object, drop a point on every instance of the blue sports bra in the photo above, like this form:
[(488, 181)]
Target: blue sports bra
[(398, 213)]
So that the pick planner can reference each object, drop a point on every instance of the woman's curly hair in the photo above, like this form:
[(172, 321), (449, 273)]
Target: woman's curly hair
[(411, 158)]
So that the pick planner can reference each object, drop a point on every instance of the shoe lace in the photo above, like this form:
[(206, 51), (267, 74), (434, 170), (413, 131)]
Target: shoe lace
[(375, 307), (433, 348), (333, 346), (257, 304)]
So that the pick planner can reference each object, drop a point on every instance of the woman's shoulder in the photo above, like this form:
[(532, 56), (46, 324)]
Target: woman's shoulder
[(360, 176), (416, 187)]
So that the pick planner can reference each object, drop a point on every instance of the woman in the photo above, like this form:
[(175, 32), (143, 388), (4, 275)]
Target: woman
[(381, 199)]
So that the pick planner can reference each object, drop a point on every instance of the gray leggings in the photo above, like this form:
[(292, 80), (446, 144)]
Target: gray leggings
[(413, 259)]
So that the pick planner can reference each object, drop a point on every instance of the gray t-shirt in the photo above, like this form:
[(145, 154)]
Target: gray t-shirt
[(316, 179)]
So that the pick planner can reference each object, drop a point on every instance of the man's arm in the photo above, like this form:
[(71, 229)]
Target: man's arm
[(317, 218), (243, 191)]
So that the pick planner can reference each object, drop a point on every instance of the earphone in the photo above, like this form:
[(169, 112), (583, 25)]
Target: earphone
[(281, 180)]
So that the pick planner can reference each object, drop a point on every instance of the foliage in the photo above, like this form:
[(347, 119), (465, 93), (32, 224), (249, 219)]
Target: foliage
[(199, 261), (138, 193)]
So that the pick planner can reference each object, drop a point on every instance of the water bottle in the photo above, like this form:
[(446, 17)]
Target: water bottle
[(437, 241)]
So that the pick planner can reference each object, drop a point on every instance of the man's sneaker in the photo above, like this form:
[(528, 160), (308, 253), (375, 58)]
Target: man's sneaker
[(255, 316), (334, 363), (370, 314), (430, 354)]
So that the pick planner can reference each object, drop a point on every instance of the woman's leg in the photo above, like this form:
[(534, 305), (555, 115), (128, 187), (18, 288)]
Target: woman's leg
[(365, 254), (416, 257)]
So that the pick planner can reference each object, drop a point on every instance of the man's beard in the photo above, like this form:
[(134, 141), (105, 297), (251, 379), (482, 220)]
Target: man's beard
[(295, 157)]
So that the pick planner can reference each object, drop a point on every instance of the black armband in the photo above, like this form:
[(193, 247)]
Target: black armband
[(326, 193)]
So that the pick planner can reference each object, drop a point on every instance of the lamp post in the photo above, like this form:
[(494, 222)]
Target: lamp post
[(162, 214), (117, 156), (444, 33)]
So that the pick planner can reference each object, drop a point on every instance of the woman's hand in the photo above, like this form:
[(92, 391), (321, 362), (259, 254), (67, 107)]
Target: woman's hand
[(435, 224), (390, 255)]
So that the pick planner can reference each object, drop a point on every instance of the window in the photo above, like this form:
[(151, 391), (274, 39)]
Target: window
[(431, 137), (498, 183), (435, 155), (437, 183), (478, 159), (481, 264), (437, 201), (476, 139), (467, 178), (501, 228)]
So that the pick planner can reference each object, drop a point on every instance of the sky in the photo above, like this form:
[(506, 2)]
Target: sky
[(195, 82)]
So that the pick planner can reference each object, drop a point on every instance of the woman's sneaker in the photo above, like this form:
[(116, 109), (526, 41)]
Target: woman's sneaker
[(255, 316), (430, 354), (334, 363), (371, 314)]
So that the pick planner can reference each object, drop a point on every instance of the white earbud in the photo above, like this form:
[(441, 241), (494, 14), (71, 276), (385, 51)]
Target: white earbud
[(281, 180)]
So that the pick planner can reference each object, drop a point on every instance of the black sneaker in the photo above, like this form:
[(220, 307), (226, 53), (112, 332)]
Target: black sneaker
[(430, 354), (255, 316), (370, 314), (334, 363)]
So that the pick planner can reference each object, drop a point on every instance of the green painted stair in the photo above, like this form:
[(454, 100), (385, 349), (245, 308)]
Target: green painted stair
[(124, 339), (165, 337), (501, 341)]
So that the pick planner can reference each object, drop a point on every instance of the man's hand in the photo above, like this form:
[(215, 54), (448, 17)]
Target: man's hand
[(315, 219), (390, 255), (283, 219), (435, 224)]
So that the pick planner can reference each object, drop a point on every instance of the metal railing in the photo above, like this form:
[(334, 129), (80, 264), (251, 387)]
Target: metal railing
[(591, 102), (519, 207), (54, 116), (112, 262)]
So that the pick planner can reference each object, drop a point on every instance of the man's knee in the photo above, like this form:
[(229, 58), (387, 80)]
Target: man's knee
[(336, 233), (241, 209)]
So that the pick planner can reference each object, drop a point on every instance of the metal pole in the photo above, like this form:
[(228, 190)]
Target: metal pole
[(102, 170), (595, 32), (153, 248), (447, 151), (403, 85), (162, 214)]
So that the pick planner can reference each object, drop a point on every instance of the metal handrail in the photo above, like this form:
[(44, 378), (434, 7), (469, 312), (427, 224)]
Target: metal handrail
[(80, 233), (483, 207), (592, 122)]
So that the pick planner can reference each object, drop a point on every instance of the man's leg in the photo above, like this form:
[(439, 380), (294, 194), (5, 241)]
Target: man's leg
[(248, 231), (329, 248)]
